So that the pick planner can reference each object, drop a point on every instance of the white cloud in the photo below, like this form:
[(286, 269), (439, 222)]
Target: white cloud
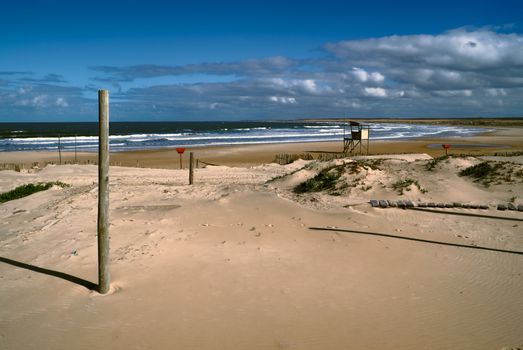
[(460, 59), (496, 92), (24, 90), (377, 77), (309, 85), (38, 101), (460, 48), (362, 75), (284, 100), (453, 93), (375, 92), (61, 102)]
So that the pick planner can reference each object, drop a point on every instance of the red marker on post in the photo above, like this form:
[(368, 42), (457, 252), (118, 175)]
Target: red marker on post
[(446, 146), (180, 151)]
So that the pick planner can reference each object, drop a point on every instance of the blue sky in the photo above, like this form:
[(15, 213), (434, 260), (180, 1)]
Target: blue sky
[(211, 60)]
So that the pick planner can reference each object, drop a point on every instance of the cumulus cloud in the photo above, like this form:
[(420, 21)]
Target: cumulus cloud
[(459, 49), (457, 59), (362, 75), (25, 101), (61, 102), (375, 92), (36, 101)]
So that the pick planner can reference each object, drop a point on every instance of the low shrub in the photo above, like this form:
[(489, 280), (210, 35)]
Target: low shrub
[(324, 180), (26, 190), (480, 170), (431, 164), (404, 185)]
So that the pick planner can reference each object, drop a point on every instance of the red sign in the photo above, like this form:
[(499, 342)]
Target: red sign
[(445, 145), (180, 150)]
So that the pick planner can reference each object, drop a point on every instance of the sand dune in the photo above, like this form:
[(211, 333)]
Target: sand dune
[(231, 262)]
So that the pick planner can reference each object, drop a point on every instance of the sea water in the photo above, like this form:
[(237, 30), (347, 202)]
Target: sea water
[(126, 136)]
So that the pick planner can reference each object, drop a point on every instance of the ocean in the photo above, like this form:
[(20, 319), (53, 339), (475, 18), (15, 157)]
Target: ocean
[(126, 136)]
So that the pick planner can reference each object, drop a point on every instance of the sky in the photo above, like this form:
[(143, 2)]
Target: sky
[(252, 60)]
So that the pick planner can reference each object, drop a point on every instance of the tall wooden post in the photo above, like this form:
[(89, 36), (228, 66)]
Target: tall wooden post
[(103, 192), (191, 168), (59, 150)]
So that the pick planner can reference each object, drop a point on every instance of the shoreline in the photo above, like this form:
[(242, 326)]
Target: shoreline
[(495, 122), (502, 139)]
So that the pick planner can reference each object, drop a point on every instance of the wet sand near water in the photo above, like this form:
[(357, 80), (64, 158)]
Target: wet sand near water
[(507, 139)]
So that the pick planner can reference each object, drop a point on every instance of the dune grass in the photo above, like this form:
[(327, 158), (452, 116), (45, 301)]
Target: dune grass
[(28, 189), (481, 170), (431, 164), (404, 185), (324, 180)]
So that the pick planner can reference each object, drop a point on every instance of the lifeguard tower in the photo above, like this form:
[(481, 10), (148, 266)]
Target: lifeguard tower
[(356, 138)]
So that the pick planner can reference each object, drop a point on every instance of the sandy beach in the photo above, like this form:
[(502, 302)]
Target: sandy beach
[(240, 261), (501, 139)]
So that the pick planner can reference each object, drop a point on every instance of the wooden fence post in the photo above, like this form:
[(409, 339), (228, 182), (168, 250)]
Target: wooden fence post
[(103, 192), (191, 168), (59, 150)]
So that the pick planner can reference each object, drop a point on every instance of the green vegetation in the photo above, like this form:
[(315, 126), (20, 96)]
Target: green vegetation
[(324, 180), (327, 179), (481, 170), (374, 164), (494, 173), (26, 190), (431, 164), (404, 185)]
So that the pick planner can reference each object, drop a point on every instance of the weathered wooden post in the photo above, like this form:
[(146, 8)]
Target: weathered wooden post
[(59, 150), (103, 191), (191, 168)]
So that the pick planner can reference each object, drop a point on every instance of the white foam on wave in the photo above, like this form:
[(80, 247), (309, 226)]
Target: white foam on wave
[(255, 135), (248, 129), (321, 126)]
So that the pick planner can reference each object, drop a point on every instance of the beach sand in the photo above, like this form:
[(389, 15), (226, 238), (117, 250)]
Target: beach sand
[(503, 139), (232, 262)]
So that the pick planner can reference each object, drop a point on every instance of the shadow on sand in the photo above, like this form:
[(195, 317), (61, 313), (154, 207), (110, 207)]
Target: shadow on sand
[(465, 214), (62, 275), (416, 240)]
